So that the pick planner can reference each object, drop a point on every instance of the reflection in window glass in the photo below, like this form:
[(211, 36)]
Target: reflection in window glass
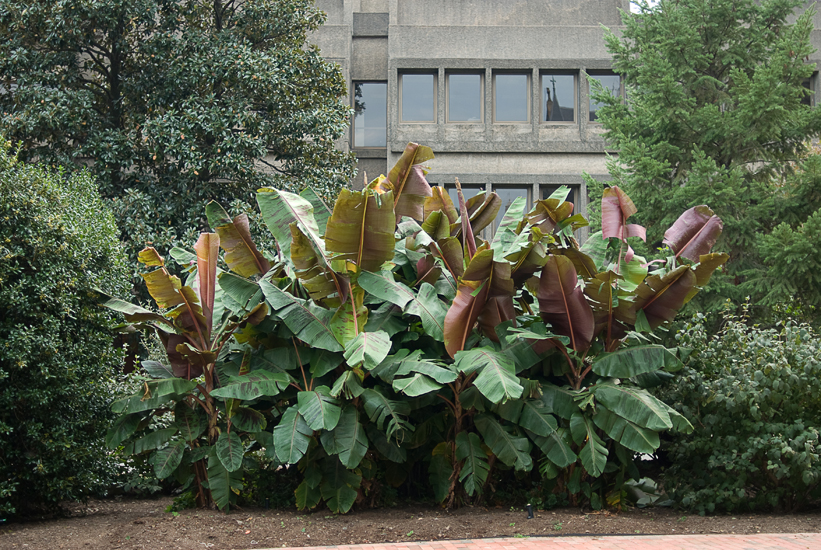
[(418, 98), (558, 98), (511, 98), (508, 194), (610, 82), (464, 98), (370, 118)]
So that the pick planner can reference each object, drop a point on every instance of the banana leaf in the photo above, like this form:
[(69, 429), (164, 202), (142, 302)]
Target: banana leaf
[(280, 209), (509, 448), (629, 434), (407, 182), (347, 439), (634, 404), (291, 436), (230, 451), (471, 297), (361, 229), (661, 297), (694, 233), (307, 321), (241, 254), (593, 453), (563, 305), (207, 249), (319, 409), (368, 349), (475, 468), (497, 379)]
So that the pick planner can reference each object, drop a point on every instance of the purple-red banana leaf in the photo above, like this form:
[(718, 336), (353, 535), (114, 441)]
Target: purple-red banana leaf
[(320, 281), (207, 249), (499, 306), (694, 233), (407, 181), (661, 297), (616, 207), (471, 297), (563, 305)]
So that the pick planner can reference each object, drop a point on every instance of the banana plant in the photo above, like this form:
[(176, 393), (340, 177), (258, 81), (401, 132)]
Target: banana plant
[(197, 323), (385, 332)]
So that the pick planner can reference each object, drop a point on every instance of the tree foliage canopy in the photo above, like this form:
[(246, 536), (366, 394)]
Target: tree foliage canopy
[(172, 103), (717, 113)]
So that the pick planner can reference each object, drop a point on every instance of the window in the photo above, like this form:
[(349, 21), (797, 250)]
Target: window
[(610, 82), (808, 99), (558, 97), (511, 97), (468, 191), (370, 114), (465, 97), (418, 97)]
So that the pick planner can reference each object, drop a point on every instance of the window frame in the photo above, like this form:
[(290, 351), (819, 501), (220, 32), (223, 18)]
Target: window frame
[(542, 98), (528, 94), (477, 72), (400, 89), (353, 121)]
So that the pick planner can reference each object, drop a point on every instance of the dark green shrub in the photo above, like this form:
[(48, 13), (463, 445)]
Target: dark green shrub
[(56, 354), (754, 396)]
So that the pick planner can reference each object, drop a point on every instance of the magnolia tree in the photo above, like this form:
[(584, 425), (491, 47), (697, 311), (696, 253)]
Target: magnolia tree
[(383, 334)]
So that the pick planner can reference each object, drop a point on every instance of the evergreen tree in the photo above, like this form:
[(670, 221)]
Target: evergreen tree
[(718, 113), (172, 103)]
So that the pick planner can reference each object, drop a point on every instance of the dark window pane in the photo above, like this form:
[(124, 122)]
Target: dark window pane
[(558, 97), (511, 98), (417, 98), (464, 98), (610, 82), (807, 99), (370, 107), (508, 194)]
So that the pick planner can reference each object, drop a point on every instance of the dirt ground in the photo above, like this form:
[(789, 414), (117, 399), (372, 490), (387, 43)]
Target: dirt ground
[(144, 524)]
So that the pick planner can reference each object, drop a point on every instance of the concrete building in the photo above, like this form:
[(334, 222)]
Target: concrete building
[(495, 87)]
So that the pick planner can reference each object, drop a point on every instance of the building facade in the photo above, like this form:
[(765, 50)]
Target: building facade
[(496, 88)]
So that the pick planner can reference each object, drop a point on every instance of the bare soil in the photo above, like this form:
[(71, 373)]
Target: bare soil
[(144, 524)]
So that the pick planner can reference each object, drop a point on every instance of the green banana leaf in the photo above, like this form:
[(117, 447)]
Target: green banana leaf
[(511, 449), (153, 440), (122, 427), (280, 209), (253, 385), (321, 211), (593, 453), (629, 434), (309, 322), (291, 436), (475, 468), (497, 379), (386, 413), (223, 484), (230, 451), (166, 460), (629, 362), (319, 409), (368, 349), (339, 486), (347, 439), (633, 404)]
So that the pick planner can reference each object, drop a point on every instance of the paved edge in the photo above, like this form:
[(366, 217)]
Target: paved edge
[(776, 541)]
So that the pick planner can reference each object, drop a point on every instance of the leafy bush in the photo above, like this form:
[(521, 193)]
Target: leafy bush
[(56, 354), (385, 341), (754, 396)]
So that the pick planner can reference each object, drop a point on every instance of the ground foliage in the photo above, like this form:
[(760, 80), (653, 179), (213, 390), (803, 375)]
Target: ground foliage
[(57, 360), (172, 103), (753, 396), (384, 339), (717, 113)]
